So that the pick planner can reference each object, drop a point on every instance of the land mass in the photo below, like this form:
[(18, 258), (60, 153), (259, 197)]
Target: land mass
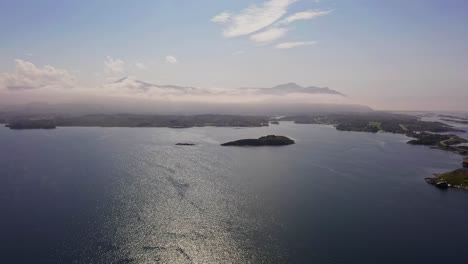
[(454, 179), (373, 122), (270, 140), (133, 120), (31, 124)]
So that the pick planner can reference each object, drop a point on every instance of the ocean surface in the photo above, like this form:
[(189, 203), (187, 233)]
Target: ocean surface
[(129, 195)]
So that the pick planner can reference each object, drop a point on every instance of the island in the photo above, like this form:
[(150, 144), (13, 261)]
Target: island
[(454, 179), (185, 144), (270, 140)]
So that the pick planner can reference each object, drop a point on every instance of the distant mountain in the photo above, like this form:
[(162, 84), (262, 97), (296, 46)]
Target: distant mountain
[(144, 86), (282, 89), (289, 88)]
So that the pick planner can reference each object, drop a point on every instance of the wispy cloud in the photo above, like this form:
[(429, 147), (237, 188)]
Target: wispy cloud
[(112, 65), (310, 14), (253, 18), (171, 59), (269, 35), (221, 18), (289, 45), (27, 76)]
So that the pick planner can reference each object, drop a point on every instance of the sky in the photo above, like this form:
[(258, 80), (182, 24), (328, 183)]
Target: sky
[(389, 55)]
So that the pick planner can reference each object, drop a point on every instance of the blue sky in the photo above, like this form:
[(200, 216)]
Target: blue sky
[(387, 54)]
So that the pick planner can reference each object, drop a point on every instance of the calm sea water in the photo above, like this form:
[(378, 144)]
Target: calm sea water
[(129, 195)]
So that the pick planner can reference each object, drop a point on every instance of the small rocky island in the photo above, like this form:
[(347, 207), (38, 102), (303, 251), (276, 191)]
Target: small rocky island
[(270, 140), (454, 179), (185, 144)]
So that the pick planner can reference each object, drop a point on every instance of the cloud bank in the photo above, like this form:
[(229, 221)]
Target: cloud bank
[(23, 85), (27, 76)]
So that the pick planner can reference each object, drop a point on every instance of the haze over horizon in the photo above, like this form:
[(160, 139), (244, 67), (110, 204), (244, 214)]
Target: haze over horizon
[(388, 55)]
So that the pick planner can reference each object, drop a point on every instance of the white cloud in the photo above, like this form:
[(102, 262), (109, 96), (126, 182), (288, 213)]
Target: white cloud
[(269, 35), (27, 76), (171, 59), (310, 14), (253, 18), (141, 66), (221, 18), (112, 65), (289, 45)]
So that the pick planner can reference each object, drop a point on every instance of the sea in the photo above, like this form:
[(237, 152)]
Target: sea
[(130, 195)]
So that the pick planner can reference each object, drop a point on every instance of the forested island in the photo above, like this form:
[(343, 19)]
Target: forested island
[(270, 140)]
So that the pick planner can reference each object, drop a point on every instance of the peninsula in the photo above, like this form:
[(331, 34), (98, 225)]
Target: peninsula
[(454, 179)]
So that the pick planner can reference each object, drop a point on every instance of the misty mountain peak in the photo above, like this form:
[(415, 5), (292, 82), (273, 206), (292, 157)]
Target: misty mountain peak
[(121, 80), (287, 88), (290, 85)]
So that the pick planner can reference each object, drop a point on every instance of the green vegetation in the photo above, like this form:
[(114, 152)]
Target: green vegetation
[(270, 140), (457, 178), (378, 125), (320, 120)]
